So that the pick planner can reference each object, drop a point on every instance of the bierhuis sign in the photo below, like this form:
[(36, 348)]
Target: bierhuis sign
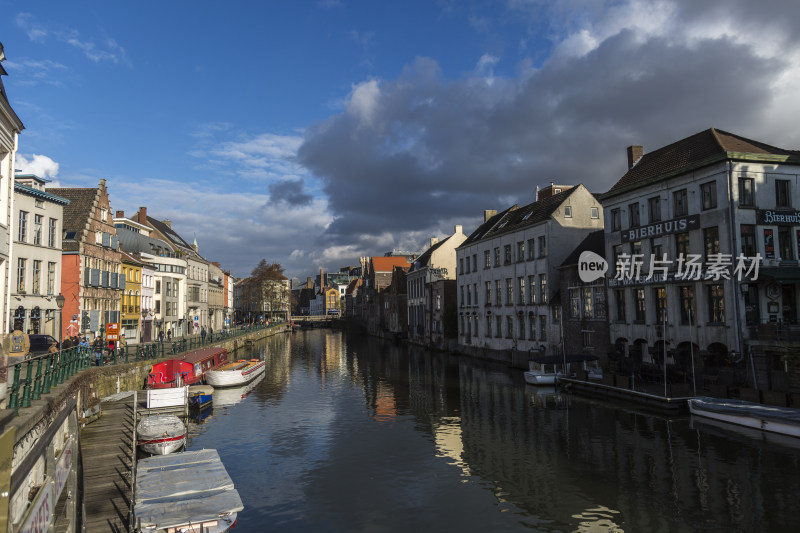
[(772, 217), (666, 227)]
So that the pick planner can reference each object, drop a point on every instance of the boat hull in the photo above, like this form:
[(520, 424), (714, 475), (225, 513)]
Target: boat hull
[(532, 378), (161, 434), (235, 377), (766, 418)]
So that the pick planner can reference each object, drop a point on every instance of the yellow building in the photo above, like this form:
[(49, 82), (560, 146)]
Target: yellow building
[(131, 300)]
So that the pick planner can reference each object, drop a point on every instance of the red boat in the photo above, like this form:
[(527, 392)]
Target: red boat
[(191, 368)]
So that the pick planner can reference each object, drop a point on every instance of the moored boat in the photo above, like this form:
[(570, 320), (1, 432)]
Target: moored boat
[(783, 420), (189, 491), (160, 434), (188, 369), (543, 370), (235, 374), (200, 396)]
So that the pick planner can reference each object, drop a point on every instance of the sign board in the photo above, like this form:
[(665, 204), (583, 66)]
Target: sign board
[(171, 397), (41, 512), (777, 217), (658, 229), (112, 331)]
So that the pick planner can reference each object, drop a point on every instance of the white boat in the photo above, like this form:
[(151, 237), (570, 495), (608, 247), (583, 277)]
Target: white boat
[(160, 434), (187, 492), (543, 370), (235, 374), (783, 420), (233, 395)]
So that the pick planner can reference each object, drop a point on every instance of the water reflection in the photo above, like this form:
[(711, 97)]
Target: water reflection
[(350, 434)]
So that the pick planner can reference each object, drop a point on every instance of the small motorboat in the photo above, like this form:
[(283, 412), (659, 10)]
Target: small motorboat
[(236, 374), (200, 396), (160, 434), (543, 370), (783, 420)]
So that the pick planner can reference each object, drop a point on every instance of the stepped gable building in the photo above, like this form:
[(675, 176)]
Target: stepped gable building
[(36, 255), (378, 273), (90, 279), (507, 273), (584, 314), (698, 204), (432, 288)]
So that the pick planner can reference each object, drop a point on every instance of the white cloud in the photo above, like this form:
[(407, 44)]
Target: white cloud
[(37, 164), (364, 100)]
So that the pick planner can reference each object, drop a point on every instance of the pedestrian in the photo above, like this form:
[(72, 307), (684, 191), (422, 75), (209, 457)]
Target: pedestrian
[(123, 343), (97, 348), (169, 335), (161, 336), (203, 335)]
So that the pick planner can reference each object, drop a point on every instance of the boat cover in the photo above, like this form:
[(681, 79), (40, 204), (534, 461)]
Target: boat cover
[(743, 408), (157, 426), (177, 489)]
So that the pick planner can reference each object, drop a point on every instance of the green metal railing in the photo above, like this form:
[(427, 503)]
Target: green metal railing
[(35, 376)]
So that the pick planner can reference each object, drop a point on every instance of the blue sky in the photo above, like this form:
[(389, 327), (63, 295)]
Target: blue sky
[(312, 133)]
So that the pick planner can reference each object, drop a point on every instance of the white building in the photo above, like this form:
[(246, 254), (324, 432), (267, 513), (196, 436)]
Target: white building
[(713, 196), (425, 304), (507, 272), (37, 255)]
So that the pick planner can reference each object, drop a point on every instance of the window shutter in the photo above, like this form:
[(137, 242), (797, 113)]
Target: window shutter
[(95, 281), (115, 242), (86, 277), (113, 281), (106, 239), (105, 274), (94, 320), (122, 283)]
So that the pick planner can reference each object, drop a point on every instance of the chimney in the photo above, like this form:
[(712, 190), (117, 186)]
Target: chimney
[(309, 283), (537, 194), (458, 229), (434, 240), (142, 216), (634, 155), (167, 223), (120, 214), (489, 213)]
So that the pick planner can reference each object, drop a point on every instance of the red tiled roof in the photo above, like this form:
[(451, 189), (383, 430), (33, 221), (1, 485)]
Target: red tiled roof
[(702, 148), (387, 264)]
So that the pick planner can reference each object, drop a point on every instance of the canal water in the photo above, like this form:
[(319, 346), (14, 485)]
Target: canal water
[(350, 434)]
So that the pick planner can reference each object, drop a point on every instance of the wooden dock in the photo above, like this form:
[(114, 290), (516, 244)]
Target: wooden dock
[(107, 454)]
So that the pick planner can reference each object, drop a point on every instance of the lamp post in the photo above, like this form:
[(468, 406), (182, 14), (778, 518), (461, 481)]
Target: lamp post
[(60, 303)]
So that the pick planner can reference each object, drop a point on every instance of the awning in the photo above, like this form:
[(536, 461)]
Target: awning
[(783, 275)]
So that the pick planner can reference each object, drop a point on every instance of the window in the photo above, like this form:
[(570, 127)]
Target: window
[(782, 197), (748, 240), (469, 295), (543, 288), (716, 304), (656, 249), (158, 286), (487, 260), (616, 223), (520, 251), (488, 326), (474, 263), (498, 294), (687, 305), (595, 212), (51, 233), (599, 295), (509, 327), (619, 297), (103, 214), (507, 254), (532, 289), (499, 324), (21, 275), (633, 215), (542, 246), (37, 276), (532, 327), (654, 205), (682, 244), (521, 290), (23, 226), (660, 296), (709, 191), (531, 248), (636, 250), (574, 303), (521, 326), (51, 278), (711, 241), (641, 310), (488, 293), (37, 229), (461, 265), (616, 252), (588, 304), (746, 192), (568, 211), (679, 203), (497, 257), (509, 291), (785, 244), (543, 328), (587, 338)]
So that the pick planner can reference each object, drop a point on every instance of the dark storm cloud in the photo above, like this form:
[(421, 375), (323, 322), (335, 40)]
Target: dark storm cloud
[(289, 191), (423, 149)]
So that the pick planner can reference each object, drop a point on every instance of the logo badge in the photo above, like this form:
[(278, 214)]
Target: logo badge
[(591, 266)]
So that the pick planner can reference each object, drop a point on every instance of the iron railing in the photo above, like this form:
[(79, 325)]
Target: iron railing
[(36, 375)]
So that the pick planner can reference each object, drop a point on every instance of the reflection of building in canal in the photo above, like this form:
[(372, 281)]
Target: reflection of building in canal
[(385, 404), (645, 471), (447, 435)]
